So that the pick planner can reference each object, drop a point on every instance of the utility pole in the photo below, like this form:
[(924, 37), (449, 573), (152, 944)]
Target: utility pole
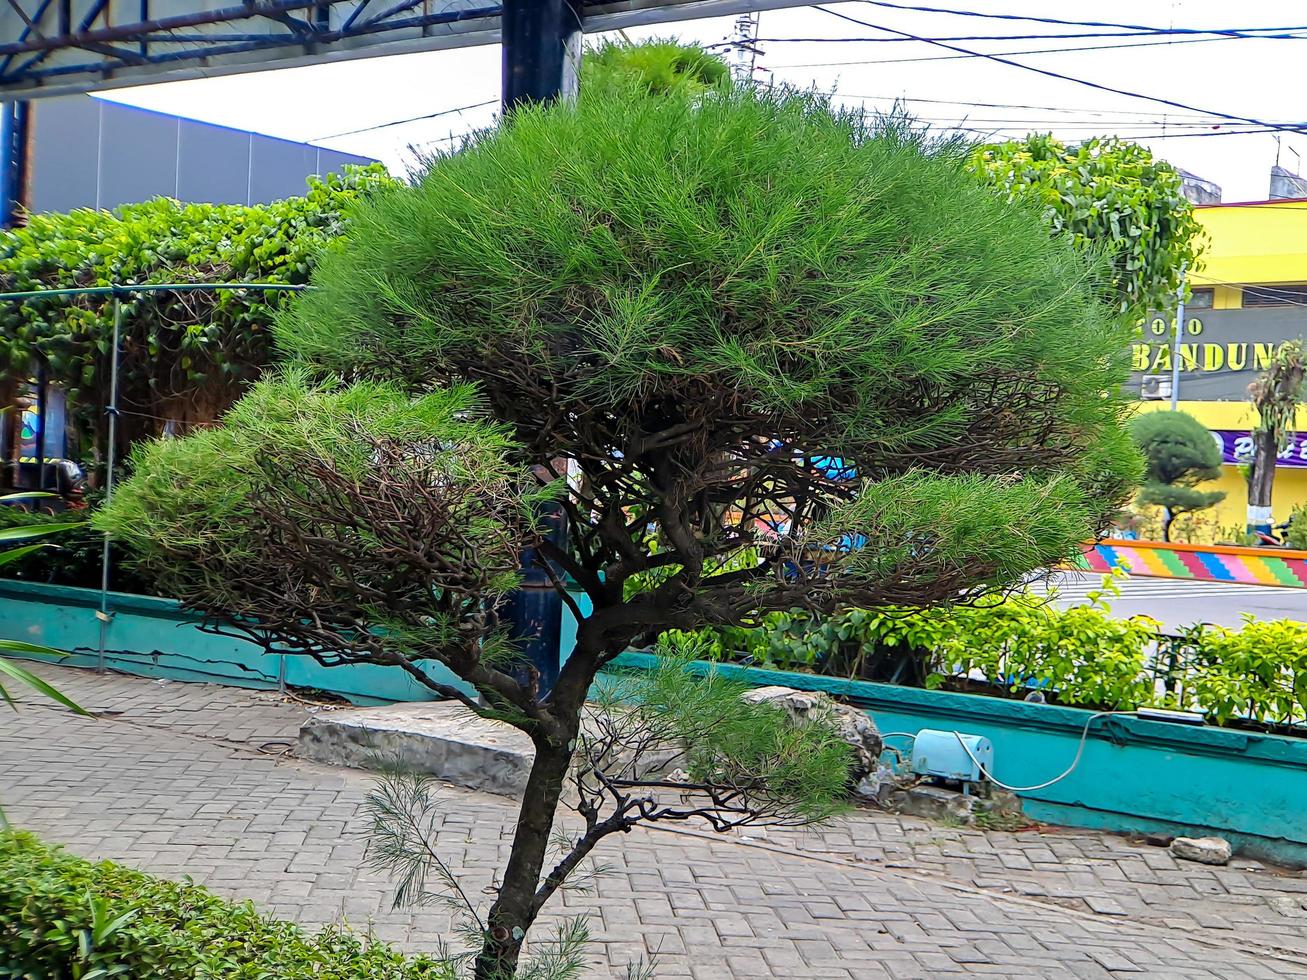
[(745, 48), (1175, 353)]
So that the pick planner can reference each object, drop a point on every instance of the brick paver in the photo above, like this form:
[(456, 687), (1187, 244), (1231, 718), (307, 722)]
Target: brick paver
[(192, 779)]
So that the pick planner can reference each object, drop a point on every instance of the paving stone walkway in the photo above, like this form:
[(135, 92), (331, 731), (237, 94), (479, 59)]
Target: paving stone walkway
[(193, 779)]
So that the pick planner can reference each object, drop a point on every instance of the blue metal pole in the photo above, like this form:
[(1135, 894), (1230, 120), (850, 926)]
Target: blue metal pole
[(541, 56), (535, 611), (104, 615), (542, 50), (13, 160)]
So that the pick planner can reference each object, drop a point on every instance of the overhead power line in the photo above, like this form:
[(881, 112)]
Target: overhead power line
[(1265, 292), (978, 54), (401, 122), (1229, 31), (1135, 115), (1006, 122), (1181, 136), (1296, 127), (1022, 37)]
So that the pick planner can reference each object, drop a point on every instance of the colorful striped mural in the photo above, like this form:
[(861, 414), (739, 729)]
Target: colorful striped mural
[(1210, 563)]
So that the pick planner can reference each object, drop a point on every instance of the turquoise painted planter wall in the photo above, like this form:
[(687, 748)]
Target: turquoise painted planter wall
[(153, 637), (567, 633), (1135, 775)]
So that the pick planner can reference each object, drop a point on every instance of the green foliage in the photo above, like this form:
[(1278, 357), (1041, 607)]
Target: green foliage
[(184, 355), (1081, 655), (788, 771), (626, 253), (1178, 448), (1276, 396), (1278, 391), (755, 240), (1110, 195), (1258, 671), (1296, 536), (74, 557), (654, 68), (64, 918), (741, 560), (9, 670), (693, 293), (998, 528), (1180, 454), (1178, 500), (196, 511)]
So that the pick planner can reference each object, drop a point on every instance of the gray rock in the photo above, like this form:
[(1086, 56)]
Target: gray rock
[(1205, 850), (933, 803), (855, 727), (441, 738), (875, 787), (1000, 802)]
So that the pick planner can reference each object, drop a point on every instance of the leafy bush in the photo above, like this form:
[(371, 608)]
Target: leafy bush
[(185, 356), (64, 918), (74, 558), (1110, 195), (1081, 656), (1297, 533), (1259, 671)]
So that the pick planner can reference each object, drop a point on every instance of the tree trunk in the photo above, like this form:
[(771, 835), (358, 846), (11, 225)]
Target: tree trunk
[(514, 909), (1261, 480)]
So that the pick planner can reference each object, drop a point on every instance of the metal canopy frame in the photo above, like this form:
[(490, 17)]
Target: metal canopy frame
[(51, 47)]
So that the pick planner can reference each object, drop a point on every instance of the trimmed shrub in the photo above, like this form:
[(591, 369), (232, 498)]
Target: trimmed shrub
[(65, 918), (1181, 455)]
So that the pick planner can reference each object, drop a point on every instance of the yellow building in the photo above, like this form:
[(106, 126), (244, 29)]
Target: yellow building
[(1249, 294)]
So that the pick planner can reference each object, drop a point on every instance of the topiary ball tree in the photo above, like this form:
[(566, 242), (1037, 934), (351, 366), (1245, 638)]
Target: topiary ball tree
[(761, 354), (1180, 453)]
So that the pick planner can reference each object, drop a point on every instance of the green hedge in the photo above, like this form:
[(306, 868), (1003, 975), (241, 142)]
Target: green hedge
[(1081, 656), (73, 557), (64, 918), (185, 356)]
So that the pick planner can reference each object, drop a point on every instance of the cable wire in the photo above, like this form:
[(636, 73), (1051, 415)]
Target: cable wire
[(1014, 37), (977, 54), (996, 105), (1084, 735), (1268, 292), (1297, 128), (1232, 31), (401, 122), (1165, 120)]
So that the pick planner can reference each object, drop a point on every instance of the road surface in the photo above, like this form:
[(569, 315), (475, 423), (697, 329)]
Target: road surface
[(1178, 602)]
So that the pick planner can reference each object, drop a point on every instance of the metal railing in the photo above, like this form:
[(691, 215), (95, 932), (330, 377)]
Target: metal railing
[(118, 291)]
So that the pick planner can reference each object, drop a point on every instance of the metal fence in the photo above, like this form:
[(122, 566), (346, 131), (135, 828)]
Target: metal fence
[(118, 291)]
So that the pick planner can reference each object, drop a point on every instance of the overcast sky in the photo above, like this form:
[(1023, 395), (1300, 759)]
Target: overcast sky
[(1255, 78)]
